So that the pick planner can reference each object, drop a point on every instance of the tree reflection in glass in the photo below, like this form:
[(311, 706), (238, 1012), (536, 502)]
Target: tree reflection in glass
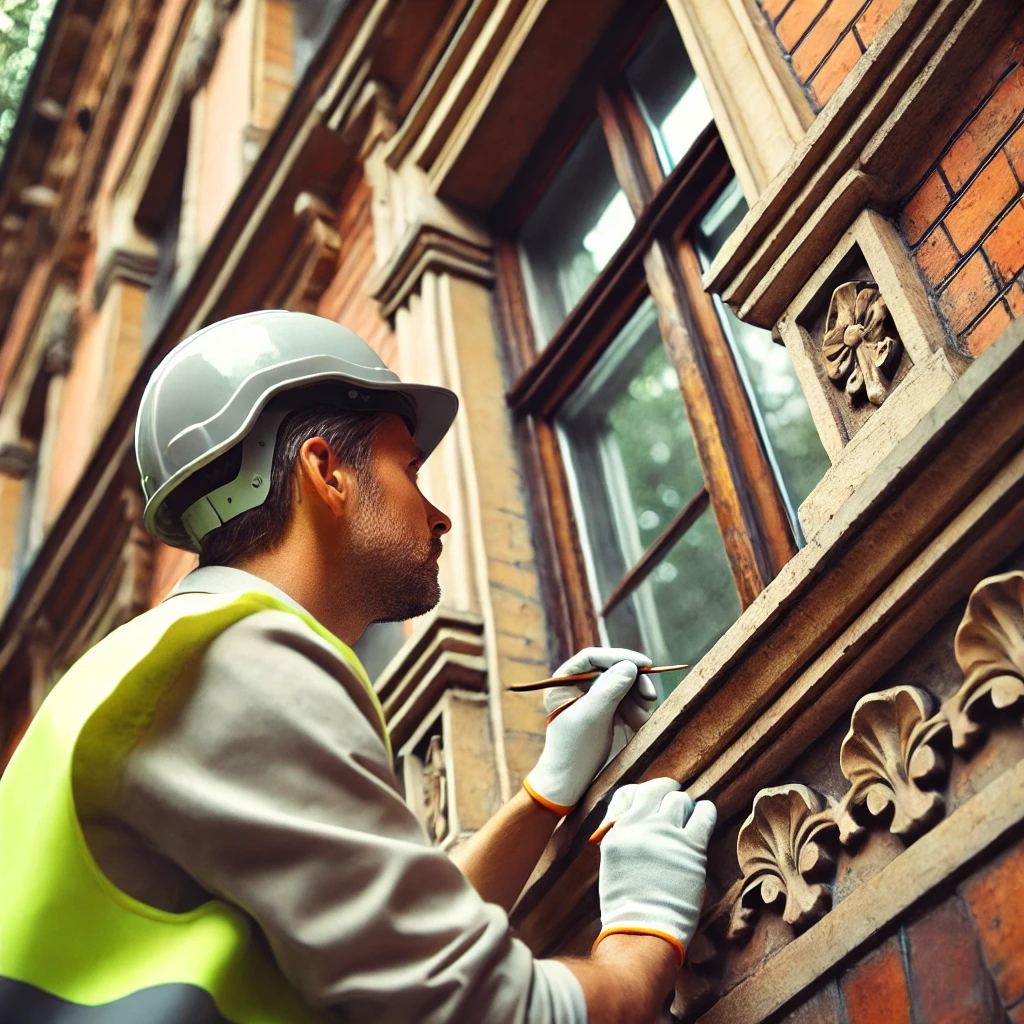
[(633, 469)]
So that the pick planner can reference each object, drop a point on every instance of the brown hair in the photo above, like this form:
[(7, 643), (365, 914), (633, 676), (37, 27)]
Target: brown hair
[(350, 435)]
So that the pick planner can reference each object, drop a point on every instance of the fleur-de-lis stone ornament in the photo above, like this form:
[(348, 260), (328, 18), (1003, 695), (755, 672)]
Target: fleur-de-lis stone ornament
[(892, 756), (784, 852), (860, 356), (990, 651)]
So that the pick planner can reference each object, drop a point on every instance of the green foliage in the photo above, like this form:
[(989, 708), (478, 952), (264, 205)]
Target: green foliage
[(22, 30)]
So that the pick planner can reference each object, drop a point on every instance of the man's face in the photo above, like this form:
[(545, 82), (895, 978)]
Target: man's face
[(395, 532)]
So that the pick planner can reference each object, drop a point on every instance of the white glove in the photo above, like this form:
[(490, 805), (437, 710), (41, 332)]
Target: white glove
[(653, 862), (582, 721)]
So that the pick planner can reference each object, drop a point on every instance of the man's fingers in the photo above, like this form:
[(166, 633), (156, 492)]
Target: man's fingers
[(600, 658), (648, 797), (702, 823), (634, 715), (610, 687), (677, 807)]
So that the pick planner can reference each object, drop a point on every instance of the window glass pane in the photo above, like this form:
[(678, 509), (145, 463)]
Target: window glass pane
[(628, 450), (669, 91), (792, 440), (574, 231), (681, 609)]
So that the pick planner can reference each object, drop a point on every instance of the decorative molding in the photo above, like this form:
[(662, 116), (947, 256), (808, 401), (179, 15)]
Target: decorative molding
[(860, 347), (989, 649), (447, 652), (784, 852), (123, 264), (428, 246), (314, 257), (199, 51), (16, 459), (893, 756)]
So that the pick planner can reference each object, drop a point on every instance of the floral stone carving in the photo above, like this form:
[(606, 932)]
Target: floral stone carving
[(860, 356), (784, 850), (990, 652), (893, 757)]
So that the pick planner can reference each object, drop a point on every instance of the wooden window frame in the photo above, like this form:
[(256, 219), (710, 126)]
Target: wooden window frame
[(658, 259)]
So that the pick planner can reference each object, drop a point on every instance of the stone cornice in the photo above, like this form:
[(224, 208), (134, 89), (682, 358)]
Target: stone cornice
[(428, 246), (446, 652)]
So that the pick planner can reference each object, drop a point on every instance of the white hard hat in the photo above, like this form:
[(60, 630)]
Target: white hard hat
[(208, 394)]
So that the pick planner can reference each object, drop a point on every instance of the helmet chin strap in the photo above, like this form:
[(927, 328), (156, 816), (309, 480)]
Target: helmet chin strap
[(248, 490)]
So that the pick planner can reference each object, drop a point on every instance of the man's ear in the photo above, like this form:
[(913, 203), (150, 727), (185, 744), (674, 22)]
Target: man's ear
[(320, 472)]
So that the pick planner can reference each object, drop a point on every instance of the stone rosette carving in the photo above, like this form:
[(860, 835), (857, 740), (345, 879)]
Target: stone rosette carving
[(861, 355), (785, 853), (989, 649), (894, 758)]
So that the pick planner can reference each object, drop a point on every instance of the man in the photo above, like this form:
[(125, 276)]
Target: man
[(202, 823)]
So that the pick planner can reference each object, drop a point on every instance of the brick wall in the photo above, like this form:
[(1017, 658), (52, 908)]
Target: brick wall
[(823, 39), (964, 221), (960, 961)]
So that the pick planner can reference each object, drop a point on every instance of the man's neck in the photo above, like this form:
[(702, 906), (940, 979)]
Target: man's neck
[(305, 580)]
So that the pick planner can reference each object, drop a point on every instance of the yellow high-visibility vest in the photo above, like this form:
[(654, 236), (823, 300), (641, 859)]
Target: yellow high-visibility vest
[(73, 946)]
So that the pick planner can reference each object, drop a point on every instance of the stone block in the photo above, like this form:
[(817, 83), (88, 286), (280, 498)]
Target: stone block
[(822, 1008)]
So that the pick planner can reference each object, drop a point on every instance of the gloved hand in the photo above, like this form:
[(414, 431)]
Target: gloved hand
[(654, 843), (582, 720)]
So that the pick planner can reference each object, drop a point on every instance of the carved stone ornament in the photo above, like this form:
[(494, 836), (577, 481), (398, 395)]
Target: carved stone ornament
[(860, 356), (990, 652), (435, 790), (893, 756), (784, 851)]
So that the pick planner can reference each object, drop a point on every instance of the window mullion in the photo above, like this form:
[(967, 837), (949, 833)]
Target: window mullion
[(684, 519), (752, 520), (630, 144)]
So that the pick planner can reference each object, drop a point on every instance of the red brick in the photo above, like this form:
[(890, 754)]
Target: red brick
[(1017, 1014), (937, 256), (822, 1008), (773, 8), (1015, 300), (978, 208), (872, 20), (924, 207), (1005, 246), (1014, 149), (995, 897), (949, 980), (970, 291), (875, 990), (992, 324), (836, 19), (834, 71), (795, 22), (985, 132)]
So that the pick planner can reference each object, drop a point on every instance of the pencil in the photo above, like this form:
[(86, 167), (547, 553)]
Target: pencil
[(544, 684)]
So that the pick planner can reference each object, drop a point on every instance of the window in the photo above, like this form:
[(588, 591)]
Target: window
[(668, 443)]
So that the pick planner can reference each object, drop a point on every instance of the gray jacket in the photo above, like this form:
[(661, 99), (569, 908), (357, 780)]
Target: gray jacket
[(265, 782)]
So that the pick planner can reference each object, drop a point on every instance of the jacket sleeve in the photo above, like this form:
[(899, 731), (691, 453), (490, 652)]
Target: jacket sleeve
[(268, 783)]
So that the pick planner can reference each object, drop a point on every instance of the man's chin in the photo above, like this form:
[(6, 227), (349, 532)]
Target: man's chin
[(411, 606)]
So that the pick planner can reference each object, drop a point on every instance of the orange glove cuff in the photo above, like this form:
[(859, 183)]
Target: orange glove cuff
[(629, 930)]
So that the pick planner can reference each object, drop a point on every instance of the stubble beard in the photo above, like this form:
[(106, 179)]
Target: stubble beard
[(399, 575)]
